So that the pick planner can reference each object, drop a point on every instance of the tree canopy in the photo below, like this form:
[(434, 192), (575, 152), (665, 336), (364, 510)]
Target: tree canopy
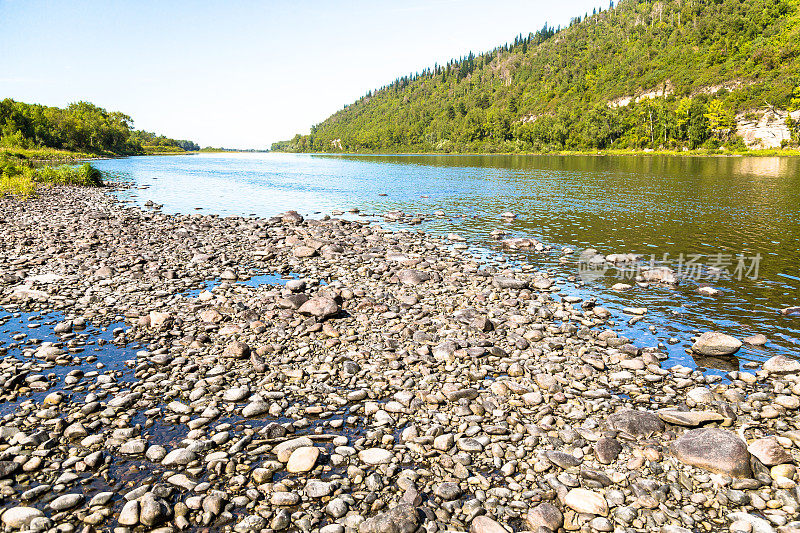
[(80, 127)]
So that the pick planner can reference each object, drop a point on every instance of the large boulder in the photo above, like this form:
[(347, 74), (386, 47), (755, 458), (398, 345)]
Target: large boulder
[(715, 344), (716, 450)]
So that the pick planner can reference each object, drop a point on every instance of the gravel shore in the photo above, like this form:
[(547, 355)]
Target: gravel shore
[(198, 373)]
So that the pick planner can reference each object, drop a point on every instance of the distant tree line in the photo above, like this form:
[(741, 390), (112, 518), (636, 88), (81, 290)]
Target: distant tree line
[(80, 127), (703, 61), (147, 139)]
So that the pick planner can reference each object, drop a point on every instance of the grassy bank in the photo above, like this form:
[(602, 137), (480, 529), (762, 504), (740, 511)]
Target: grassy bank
[(48, 155), (21, 180)]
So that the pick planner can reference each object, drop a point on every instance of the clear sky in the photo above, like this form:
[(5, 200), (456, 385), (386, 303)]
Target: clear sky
[(243, 73)]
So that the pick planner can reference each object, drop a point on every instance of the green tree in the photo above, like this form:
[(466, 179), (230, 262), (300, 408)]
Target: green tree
[(719, 119)]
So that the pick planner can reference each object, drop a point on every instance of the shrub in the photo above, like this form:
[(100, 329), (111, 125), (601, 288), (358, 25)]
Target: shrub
[(22, 180)]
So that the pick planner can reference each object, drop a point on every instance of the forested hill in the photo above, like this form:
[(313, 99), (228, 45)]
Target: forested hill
[(670, 74)]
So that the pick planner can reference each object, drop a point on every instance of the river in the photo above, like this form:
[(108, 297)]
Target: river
[(727, 222)]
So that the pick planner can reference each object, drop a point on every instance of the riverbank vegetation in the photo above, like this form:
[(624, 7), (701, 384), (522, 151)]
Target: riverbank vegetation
[(79, 131), (666, 75), (22, 180)]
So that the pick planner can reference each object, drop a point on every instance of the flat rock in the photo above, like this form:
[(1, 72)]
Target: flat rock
[(179, 457), (769, 451), (716, 450), (659, 275), (410, 276), (284, 499), (688, 418), (636, 423), (133, 447), (375, 456), (448, 490), (318, 489), (250, 523), (758, 524), (715, 344), (302, 459), (304, 251), (564, 460), (756, 340), (66, 501), (255, 408), (511, 283), (236, 394), (285, 449), (457, 394), (586, 501)]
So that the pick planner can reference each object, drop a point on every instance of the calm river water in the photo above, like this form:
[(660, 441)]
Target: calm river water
[(729, 222)]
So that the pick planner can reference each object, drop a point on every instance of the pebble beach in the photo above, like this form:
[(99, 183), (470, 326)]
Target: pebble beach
[(202, 373)]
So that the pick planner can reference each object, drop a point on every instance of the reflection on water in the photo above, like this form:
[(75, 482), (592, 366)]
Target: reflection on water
[(678, 206)]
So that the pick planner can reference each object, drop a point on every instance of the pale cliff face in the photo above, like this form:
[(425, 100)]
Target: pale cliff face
[(765, 128)]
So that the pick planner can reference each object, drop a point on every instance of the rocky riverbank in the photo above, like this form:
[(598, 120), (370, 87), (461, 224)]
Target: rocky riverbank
[(393, 384)]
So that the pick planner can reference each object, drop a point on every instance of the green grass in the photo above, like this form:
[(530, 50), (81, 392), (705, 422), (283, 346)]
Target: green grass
[(22, 180), (43, 154)]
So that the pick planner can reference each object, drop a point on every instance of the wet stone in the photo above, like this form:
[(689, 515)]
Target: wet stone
[(66, 501), (375, 456), (714, 343), (302, 459)]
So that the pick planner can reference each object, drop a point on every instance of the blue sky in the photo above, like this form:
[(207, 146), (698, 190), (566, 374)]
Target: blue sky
[(242, 73)]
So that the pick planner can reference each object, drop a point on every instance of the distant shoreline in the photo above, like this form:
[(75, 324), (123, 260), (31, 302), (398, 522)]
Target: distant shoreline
[(603, 153), (53, 155)]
